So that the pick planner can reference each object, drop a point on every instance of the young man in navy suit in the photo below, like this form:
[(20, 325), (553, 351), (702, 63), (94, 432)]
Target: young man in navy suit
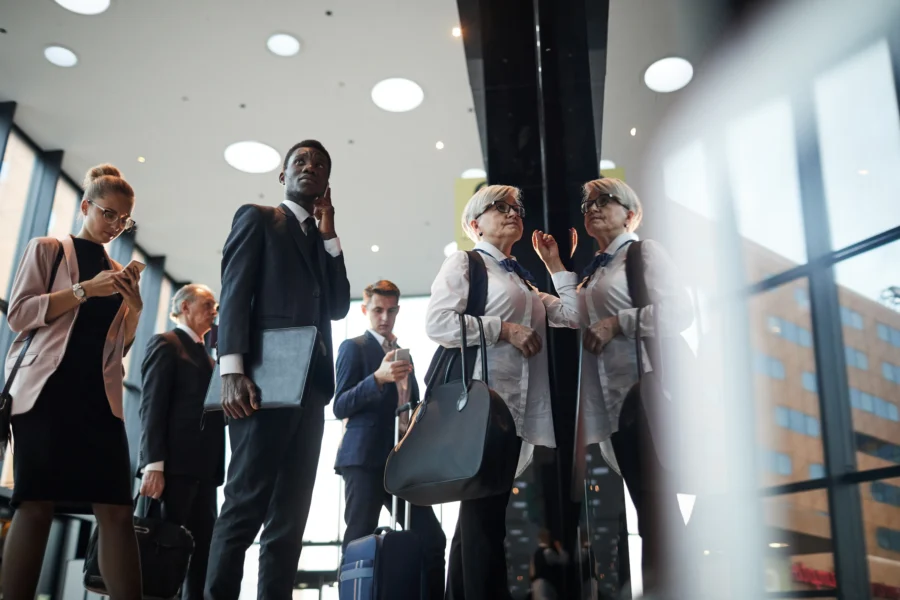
[(371, 384)]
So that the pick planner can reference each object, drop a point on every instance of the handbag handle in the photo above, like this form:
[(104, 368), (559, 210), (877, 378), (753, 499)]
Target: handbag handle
[(649, 340), (483, 343)]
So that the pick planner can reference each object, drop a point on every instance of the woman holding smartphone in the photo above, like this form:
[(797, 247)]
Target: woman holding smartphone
[(71, 452)]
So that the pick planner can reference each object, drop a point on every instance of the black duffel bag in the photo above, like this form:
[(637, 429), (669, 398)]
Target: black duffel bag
[(461, 441), (165, 549)]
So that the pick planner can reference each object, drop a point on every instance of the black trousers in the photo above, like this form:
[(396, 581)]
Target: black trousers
[(478, 553), (364, 496), (657, 508), (274, 458)]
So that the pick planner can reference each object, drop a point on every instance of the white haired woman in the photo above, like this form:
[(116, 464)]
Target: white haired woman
[(515, 321), (612, 212)]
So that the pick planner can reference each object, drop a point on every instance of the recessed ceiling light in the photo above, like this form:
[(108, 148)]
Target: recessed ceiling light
[(397, 95), (375, 248), (778, 545), (634, 131), (605, 165), (457, 32), (141, 159), (439, 145), (252, 157), (474, 174), (863, 171), (61, 57), (706, 553), (283, 44), (668, 74), (450, 249), (84, 7)]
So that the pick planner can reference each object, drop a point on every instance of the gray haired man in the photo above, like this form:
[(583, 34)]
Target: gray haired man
[(181, 463)]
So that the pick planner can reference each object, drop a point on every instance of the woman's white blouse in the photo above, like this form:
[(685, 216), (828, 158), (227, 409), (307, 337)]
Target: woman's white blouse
[(523, 383), (606, 378)]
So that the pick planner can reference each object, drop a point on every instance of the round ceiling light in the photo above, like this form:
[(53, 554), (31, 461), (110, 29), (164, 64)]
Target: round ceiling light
[(283, 44), (85, 7), (252, 157), (61, 57), (474, 174), (668, 74), (606, 165), (397, 95)]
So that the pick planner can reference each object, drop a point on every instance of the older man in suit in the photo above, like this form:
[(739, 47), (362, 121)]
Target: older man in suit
[(281, 267), (371, 385), (183, 462)]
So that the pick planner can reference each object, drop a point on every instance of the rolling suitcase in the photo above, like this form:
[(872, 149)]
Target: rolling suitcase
[(389, 564)]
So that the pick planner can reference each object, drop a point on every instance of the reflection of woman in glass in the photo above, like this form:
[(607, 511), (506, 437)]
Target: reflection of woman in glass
[(71, 453), (612, 212)]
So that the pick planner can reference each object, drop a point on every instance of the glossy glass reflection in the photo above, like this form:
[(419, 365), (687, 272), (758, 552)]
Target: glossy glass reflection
[(15, 179)]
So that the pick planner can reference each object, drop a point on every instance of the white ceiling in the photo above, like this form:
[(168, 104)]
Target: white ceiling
[(391, 187)]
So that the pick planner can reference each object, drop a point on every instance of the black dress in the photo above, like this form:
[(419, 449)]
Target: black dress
[(70, 448)]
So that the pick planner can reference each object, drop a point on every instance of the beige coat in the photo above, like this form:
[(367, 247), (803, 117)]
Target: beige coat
[(28, 304)]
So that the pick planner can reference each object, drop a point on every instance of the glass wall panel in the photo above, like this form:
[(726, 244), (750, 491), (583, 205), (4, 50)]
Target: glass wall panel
[(859, 137), (65, 206), (787, 400), (15, 180), (798, 554), (129, 359), (762, 165), (165, 306), (881, 521), (868, 316)]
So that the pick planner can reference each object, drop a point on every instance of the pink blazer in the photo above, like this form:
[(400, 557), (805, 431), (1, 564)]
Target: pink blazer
[(28, 304)]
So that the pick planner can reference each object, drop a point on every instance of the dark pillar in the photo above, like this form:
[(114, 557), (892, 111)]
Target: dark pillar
[(151, 285), (530, 72), (7, 111), (122, 248)]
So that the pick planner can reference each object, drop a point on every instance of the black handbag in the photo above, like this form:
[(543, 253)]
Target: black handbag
[(461, 441), (6, 398), (165, 549)]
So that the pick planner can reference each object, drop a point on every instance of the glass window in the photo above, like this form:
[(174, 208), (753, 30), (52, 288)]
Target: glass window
[(855, 358), (859, 138), (809, 382), (816, 471), (895, 338), (890, 372), (762, 141), (866, 402), (854, 397), (15, 180), (875, 448), (801, 297), (884, 332), (805, 338), (892, 413), (165, 306), (65, 205), (789, 422), (788, 565)]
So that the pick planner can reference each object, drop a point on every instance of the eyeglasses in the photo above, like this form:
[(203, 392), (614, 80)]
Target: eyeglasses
[(111, 216), (504, 207), (599, 202)]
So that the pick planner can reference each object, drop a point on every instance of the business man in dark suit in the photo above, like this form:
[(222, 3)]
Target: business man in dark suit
[(183, 463), (281, 267), (371, 385)]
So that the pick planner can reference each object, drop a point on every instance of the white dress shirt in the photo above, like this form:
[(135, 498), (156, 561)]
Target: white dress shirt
[(606, 378), (160, 464), (234, 363), (522, 383)]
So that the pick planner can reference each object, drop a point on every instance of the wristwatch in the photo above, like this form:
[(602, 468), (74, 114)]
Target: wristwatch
[(79, 293)]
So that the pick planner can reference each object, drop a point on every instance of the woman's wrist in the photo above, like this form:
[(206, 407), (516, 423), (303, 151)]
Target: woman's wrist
[(555, 266)]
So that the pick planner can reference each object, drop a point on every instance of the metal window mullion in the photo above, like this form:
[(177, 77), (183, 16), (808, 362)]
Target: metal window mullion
[(7, 112), (847, 531)]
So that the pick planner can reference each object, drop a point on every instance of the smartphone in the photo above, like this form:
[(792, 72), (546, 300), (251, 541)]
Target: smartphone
[(402, 354), (137, 265)]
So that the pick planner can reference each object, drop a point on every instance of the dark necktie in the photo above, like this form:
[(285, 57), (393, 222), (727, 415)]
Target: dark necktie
[(601, 260), (312, 237), (513, 266)]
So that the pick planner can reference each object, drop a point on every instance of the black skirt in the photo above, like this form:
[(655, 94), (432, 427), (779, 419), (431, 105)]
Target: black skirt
[(70, 449)]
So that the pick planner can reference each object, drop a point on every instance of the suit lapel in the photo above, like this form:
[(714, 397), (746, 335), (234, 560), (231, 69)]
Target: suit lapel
[(299, 237), (193, 349)]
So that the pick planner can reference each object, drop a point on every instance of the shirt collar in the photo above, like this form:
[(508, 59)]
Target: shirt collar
[(492, 251), (190, 332), (299, 212), (620, 241), (378, 337)]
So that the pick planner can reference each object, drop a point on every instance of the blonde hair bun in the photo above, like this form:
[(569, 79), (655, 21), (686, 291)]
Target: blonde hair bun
[(99, 171)]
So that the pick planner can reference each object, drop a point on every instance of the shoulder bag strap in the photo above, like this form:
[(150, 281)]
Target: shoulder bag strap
[(636, 276), (476, 303), (12, 374)]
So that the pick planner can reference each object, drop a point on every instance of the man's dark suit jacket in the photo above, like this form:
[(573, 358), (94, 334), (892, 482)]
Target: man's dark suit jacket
[(175, 374), (270, 280), (370, 412)]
